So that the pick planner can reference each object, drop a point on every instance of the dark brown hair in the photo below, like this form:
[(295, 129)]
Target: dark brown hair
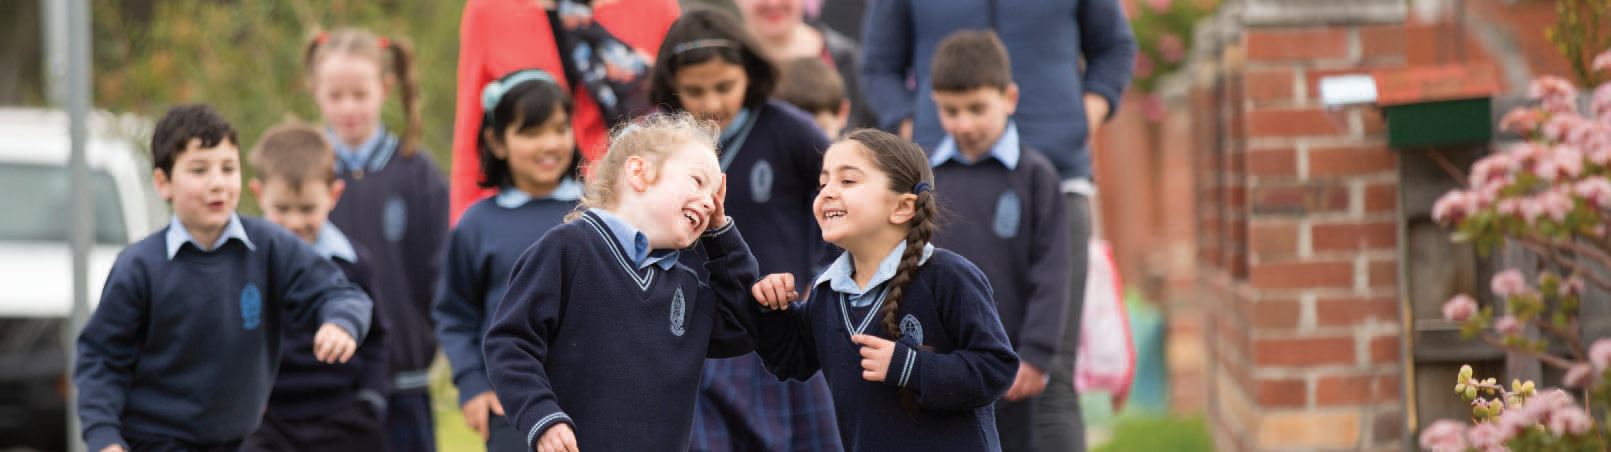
[(185, 122), (295, 153), (396, 59), (969, 60), (696, 37), (527, 105), (809, 83)]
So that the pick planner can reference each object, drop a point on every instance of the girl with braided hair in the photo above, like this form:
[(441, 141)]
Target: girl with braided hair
[(926, 376)]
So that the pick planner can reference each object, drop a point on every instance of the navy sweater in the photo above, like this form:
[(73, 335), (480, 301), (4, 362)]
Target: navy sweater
[(1061, 49), (398, 208), (307, 388), (1011, 224), (481, 254), (585, 338), (771, 182), (187, 348), (971, 366)]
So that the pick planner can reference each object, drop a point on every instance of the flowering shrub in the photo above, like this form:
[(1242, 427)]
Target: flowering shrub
[(1552, 195), (1163, 30)]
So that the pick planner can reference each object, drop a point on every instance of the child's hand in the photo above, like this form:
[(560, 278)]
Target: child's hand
[(718, 216), (1031, 382), (558, 438), (333, 345), (475, 412), (775, 291), (875, 354), (113, 448)]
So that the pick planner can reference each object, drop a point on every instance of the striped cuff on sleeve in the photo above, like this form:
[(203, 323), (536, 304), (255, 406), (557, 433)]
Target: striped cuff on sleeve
[(544, 424), (902, 367)]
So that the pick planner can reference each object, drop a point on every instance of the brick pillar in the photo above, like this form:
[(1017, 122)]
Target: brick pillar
[(1299, 235)]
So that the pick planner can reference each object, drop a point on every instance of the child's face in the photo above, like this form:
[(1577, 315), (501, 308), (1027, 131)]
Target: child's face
[(712, 90), (855, 203), (771, 18), (539, 155), (681, 198), (205, 186), (976, 118), (302, 210), (350, 91)]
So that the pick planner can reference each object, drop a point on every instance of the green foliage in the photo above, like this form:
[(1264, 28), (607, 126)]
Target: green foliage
[(245, 58), (1170, 434), (1582, 30), (1163, 30)]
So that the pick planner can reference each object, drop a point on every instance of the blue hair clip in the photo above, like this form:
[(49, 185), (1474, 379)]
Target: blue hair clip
[(494, 91), (920, 187), (703, 43)]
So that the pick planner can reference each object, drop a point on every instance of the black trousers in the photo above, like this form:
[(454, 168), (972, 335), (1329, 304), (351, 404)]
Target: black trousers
[(358, 428), (1059, 426)]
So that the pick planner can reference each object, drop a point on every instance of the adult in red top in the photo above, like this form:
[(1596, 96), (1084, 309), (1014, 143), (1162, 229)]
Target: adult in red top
[(497, 37)]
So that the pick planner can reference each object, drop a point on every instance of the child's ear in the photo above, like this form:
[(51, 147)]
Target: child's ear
[(905, 208), (256, 186), (637, 173), (843, 117), (159, 178), (495, 145), (337, 187), (1012, 98)]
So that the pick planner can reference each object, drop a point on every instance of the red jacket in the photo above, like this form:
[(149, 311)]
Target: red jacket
[(497, 37)]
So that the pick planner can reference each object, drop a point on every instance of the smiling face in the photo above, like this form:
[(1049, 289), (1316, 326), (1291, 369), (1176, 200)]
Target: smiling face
[(350, 90), (538, 156), (771, 18), (204, 188), (712, 90), (679, 198), (855, 207)]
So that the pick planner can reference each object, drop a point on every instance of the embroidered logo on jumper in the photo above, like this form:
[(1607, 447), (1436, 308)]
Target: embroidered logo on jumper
[(678, 306), (761, 182), (251, 307), (912, 329), (1008, 210), (394, 218)]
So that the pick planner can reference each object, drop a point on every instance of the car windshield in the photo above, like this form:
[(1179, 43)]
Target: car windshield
[(35, 201)]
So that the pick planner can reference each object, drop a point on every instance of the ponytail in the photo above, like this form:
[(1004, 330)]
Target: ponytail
[(409, 84), (381, 48)]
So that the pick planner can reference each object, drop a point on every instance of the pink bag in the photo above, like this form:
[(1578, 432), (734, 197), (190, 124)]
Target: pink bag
[(1106, 359)]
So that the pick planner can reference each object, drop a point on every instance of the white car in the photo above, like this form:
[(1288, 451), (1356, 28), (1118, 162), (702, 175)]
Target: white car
[(36, 261)]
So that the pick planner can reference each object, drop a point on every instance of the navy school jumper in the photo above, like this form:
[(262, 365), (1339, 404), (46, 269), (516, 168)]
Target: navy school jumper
[(947, 307), (397, 207), (186, 348), (584, 337)]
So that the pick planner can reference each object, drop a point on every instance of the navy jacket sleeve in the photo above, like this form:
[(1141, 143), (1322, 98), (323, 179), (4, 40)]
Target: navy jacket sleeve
[(526, 320), (1109, 48), (376, 381), (887, 43), (1047, 305), (459, 312), (314, 290), (785, 340), (732, 271), (108, 347), (982, 366)]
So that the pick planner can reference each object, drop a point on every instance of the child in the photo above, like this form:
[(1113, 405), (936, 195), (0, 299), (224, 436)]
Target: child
[(529, 153), (182, 349), (924, 378), (395, 204), (811, 85), (317, 406), (771, 152), (1009, 214), (599, 339)]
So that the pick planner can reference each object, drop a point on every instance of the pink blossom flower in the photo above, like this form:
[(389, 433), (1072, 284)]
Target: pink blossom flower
[(1510, 207), (1560, 126), (1171, 48), (1444, 436), (1569, 159), (1493, 167), (1595, 190), (1546, 169), (1508, 282), (1569, 420), (1143, 65), (1602, 62), (1531, 210), (1580, 375), (1556, 204), (1572, 286), (1508, 325), (1600, 105), (1486, 437), (1452, 207), (1521, 120), (1557, 93), (1513, 422), (1600, 354), (1159, 5), (1459, 308)]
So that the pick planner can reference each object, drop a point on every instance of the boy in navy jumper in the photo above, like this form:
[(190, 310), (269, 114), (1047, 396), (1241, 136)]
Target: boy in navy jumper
[(1008, 213), (599, 341), (181, 352), (318, 406)]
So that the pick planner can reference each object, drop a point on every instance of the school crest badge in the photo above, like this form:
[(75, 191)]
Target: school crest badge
[(911, 328), (1008, 212), (761, 176), (678, 313), (251, 307), (394, 218)]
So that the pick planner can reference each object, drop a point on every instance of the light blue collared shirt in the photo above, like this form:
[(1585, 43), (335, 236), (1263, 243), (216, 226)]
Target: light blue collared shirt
[(332, 244), (633, 240), (840, 274), (178, 236), (512, 198), (357, 158), (1005, 150)]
